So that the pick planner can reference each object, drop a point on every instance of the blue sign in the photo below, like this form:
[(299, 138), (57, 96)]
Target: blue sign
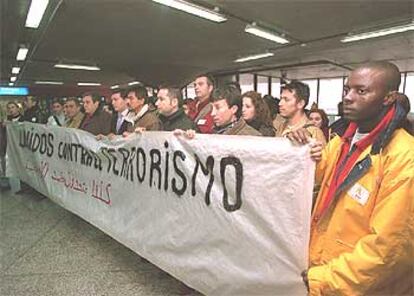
[(14, 91)]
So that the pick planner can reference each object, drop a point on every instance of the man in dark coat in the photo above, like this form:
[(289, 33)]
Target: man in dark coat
[(96, 120), (120, 122), (169, 104), (32, 111)]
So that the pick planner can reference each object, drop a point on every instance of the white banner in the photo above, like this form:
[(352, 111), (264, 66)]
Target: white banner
[(227, 215)]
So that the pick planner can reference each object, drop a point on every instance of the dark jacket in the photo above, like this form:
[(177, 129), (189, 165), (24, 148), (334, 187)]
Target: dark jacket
[(124, 126), (265, 130), (338, 127), (178, 120), (98, 123), (34, 115)]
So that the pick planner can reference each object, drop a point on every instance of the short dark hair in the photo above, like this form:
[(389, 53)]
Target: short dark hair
[(73, 99), (120, 91), (174, 92), (210, 79), (273, 104), (57, 100), (232, 96), (34, 99), (391, 72), (301, 90), (140, 92), (235, 84), (13, 103), (94, 95)]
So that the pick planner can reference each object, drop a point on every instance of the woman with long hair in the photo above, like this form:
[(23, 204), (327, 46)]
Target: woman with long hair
[(319, 119), (256, 113)]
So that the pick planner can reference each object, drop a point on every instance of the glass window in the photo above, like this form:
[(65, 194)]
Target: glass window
[(263, 85), (409, 89), (246, 82), (313, 88), (330, 94), (401, 89), (275, 87)]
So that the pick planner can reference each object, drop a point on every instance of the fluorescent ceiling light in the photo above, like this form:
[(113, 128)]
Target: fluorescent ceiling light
[(254, 57), (22, 53), (35, 14), (88, 84), (15, 70), (263, 33), (114, 86), (379, 33), (194, 9), (49, 82), (11, 84), (134, 82), (77, 67), (13, 79)]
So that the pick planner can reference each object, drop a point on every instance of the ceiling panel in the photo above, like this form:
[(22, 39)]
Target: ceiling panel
[(145, 41)]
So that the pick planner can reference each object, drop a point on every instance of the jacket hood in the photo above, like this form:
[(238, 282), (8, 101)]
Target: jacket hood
[(396, 122)]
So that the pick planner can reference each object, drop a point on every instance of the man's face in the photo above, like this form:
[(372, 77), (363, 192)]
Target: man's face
[(57, 108), (289, 105), (28, 103), (12, 110), (248, 109), (165, 105), (71, 109), (222, 114), (364, 94), (133, 102), (118, 102), (89, 105), (202, 89)]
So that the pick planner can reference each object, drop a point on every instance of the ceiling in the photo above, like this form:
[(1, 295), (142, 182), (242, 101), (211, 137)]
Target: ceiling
[(145, 41)]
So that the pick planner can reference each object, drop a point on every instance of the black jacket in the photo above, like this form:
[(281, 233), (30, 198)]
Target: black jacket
[(178, 120), (265, 130), (34, 115), (124, 126)]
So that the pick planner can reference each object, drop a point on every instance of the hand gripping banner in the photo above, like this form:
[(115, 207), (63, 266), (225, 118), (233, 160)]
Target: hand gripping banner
[(227, 215)]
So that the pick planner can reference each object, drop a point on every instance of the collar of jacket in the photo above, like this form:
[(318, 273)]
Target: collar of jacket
[(381, 139), (172, 117), (223, 129), (98, 111), (200, 105), (378, 143)]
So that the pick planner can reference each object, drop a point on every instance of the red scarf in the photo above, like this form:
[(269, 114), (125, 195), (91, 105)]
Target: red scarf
[(341, 169)]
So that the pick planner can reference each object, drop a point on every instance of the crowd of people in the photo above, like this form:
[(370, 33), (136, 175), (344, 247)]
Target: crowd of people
[(363, 217), (222, 110)]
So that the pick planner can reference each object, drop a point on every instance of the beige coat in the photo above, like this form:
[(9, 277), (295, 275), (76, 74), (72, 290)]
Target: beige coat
[(75, 121), (149, 120), (316, 133), (241, 128)]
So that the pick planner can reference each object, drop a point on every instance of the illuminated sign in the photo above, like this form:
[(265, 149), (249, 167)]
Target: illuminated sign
[(14, 91)]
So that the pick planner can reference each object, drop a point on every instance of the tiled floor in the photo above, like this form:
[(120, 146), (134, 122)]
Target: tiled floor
[(46, 250)]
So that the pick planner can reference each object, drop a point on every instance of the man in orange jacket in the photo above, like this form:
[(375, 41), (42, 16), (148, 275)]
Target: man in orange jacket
[(362, 228)]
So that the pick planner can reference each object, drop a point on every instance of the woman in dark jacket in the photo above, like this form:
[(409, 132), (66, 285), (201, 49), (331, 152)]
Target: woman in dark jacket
[(256, 113)]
